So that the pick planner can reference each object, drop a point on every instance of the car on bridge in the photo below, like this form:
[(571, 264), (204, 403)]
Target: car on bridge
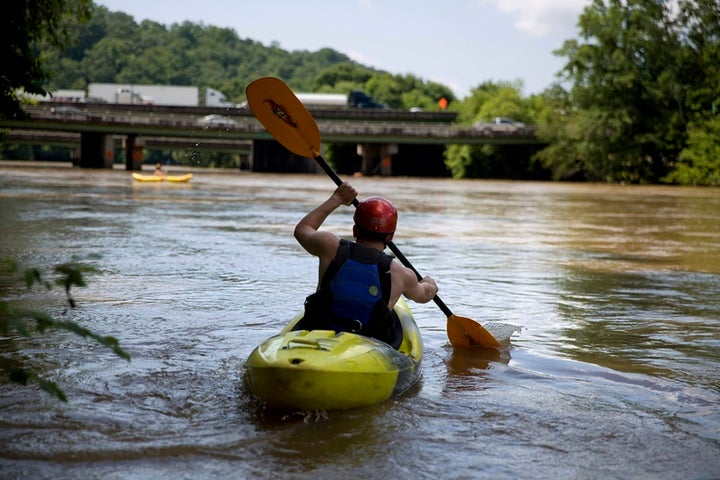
[(499, 123), (217, 121), (69, 112)]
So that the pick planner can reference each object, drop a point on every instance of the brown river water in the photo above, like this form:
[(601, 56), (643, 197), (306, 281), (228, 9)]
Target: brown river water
[(613, 371)]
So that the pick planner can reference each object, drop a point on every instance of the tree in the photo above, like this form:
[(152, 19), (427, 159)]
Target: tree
[(338, 77), (557, 121), (639, 74), (700, 161), (25, 24), (459, 160)]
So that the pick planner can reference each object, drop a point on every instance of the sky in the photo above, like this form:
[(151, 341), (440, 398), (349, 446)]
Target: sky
[(459, 43)]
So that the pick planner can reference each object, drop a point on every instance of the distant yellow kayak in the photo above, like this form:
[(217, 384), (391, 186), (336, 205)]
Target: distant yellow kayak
[(162, 178)]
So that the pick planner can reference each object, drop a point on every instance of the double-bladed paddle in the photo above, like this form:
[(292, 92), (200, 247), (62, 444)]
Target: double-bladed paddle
[(291, 124)]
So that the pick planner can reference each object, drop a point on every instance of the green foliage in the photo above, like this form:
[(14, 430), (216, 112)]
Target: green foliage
[(341, 78), (459, 160), (700, 160), (640, 73), (16, 320), (25, 24), (496, 99)]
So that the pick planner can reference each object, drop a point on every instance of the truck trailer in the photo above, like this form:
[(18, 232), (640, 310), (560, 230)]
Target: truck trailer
[(355, 99), (137, 94)]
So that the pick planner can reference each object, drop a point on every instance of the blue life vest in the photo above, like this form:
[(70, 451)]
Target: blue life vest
[(353, 295), (356, 290)]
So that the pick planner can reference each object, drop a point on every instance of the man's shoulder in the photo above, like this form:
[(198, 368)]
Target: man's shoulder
[(321, 244)]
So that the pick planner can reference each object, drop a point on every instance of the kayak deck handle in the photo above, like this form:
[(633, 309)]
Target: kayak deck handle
[(305, 342)]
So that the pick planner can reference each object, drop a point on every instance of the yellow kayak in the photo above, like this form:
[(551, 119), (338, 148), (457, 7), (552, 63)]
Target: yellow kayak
[(161, 178), (324, 369)]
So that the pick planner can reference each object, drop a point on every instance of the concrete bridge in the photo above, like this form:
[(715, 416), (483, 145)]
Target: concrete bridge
[(95, 130)]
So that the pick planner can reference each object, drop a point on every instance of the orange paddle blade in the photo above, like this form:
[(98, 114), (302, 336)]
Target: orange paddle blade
[(284, 116), (467, 333)]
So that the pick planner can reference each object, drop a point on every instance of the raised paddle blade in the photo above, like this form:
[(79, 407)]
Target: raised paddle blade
[(284, 116), (467, 333)]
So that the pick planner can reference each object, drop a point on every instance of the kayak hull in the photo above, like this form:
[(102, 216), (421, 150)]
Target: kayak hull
[(162, 178), (324, 369), (179, 178)]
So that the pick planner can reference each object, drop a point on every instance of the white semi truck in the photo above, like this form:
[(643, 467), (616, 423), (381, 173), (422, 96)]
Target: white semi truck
[(138, 94)]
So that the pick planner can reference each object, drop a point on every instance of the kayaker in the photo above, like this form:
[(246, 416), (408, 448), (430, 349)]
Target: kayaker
[(159, 170), (358, 284)]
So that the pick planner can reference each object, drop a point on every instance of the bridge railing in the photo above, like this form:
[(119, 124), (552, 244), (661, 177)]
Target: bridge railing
[(179, 122)]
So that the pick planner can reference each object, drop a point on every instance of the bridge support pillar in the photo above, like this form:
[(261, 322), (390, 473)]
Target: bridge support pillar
[(248, 164), (96, 150), (133, 152), (376, 158)]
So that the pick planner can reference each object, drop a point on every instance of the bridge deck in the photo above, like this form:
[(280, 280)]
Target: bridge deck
[(336, 125)]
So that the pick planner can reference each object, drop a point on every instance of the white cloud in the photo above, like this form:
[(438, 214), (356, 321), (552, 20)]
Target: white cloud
[(542, 17), (360, 57)]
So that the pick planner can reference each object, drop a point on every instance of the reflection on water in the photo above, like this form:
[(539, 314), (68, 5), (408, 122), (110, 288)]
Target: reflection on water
[(613, 373)]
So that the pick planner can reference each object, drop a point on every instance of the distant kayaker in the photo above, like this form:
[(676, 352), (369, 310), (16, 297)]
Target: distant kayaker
[(159, 170), (358, 283)]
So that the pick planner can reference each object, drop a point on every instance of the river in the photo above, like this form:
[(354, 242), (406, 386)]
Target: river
[(612, 372)]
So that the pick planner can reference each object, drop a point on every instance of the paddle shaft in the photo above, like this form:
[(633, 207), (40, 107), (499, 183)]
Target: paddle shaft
[(403, 259)]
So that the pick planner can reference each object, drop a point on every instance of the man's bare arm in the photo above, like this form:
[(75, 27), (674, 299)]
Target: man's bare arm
[(418, 291), (307, 230)]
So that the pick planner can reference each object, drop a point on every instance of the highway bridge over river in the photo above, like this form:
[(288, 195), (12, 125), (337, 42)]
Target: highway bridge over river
[(379, 135)]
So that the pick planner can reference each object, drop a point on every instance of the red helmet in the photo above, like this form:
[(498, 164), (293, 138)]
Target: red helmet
[(376, 214)]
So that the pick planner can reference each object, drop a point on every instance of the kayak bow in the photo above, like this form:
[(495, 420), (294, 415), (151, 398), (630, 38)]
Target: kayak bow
[(324, 369)]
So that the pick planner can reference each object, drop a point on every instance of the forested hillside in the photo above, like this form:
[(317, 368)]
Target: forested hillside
[(112, 47)]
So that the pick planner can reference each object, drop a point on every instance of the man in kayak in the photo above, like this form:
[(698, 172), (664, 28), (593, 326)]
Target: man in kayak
[(358, 283)]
